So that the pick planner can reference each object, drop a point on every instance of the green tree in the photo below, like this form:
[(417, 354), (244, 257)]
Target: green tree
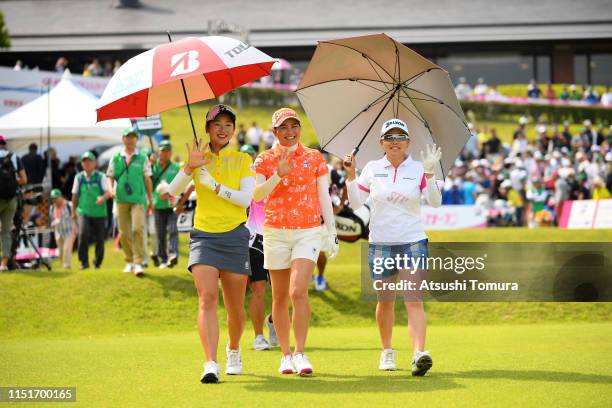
[(5, 38)]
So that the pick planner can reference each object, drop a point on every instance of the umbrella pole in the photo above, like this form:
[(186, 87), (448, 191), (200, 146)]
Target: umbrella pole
[(356, 150), (195, 137)]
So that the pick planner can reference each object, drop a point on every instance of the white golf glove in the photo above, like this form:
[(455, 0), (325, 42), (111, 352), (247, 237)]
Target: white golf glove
[(207, 180), (334, 246), (431, 159)]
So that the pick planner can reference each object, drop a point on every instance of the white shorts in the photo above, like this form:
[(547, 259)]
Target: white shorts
[(281, 246), (325, 241)]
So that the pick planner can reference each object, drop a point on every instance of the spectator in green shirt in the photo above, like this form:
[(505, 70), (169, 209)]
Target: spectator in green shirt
[(164, 171), (129, 181), (89, 195)]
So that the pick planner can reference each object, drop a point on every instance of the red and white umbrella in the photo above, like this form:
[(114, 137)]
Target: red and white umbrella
[(178, 73)]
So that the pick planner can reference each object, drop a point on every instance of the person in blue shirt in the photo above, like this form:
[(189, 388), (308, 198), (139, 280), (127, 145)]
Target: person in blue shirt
[(469, 190)]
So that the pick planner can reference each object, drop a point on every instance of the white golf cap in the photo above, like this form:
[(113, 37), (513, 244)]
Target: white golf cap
[(392, 124)]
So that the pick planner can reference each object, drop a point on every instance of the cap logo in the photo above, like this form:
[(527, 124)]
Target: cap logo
[(395, 122), (282, 114), (218, 109)]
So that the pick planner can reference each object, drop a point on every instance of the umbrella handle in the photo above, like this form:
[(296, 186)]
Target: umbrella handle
[(353, 153)]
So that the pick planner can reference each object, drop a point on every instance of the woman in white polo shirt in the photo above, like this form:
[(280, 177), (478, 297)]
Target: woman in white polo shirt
[(395, 183)]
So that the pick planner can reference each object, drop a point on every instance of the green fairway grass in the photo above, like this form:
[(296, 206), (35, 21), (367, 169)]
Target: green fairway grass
[(130, 342), (547, 365), (65, 303)]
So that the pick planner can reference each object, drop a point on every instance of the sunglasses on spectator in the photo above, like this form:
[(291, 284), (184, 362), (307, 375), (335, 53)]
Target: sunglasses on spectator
[(395, 137)]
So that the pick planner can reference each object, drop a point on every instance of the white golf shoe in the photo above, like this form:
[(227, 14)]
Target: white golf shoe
[(211, 373), (260, 343), (387, 360), (233, 365)]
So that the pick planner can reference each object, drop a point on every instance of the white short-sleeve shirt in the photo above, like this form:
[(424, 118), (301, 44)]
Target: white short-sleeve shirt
[(396, 200)]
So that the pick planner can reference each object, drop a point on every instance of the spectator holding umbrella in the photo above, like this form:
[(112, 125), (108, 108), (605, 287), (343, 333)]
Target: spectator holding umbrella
[(129, 181), (164, 171), (89, 195)]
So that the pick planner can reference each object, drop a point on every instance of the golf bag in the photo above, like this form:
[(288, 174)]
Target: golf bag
[(353, 225)]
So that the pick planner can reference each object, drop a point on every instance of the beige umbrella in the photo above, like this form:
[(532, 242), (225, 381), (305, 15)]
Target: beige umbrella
[(353, 85)]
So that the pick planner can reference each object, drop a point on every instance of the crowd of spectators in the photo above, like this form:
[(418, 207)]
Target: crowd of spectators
[(525, 182), (572, 92), (95, 68)]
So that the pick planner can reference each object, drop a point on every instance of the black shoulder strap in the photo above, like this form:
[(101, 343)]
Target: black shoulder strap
[(125, 169), (155, 180)]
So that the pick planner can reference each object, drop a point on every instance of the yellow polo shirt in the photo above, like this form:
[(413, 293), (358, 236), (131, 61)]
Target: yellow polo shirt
[(213, 213)]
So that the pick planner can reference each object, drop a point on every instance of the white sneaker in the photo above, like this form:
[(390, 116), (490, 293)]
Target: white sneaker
[(302, 365), (129, 267), (138, 270), (211, 373), (387, 360), (286, 365), (320, 283), (421, 363), (233, 365), (271, 332), (260, 343)]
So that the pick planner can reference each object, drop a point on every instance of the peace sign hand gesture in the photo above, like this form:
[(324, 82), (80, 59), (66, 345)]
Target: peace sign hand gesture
[(284, 167), (196, 156)]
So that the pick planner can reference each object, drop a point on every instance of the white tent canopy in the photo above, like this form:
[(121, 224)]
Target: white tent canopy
[(70, 113)]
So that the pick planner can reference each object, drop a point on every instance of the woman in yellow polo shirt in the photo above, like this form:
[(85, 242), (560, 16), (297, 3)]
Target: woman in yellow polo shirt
[(219, 241)]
